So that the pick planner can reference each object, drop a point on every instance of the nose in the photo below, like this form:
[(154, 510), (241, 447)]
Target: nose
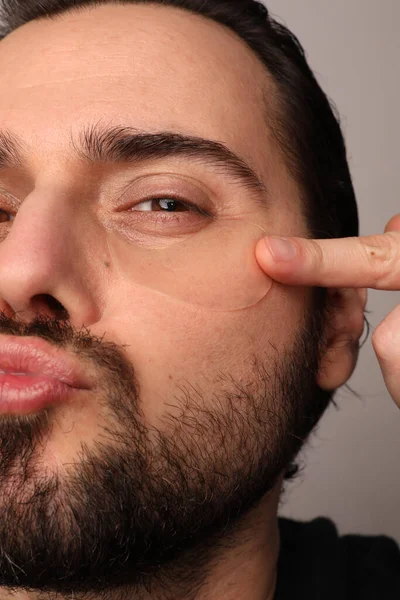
[(43, 267)]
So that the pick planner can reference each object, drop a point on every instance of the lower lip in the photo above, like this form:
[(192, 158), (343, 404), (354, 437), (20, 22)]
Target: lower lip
[(24, 394)]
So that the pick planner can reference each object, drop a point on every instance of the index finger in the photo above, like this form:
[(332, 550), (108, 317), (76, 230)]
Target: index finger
[(357, 262)]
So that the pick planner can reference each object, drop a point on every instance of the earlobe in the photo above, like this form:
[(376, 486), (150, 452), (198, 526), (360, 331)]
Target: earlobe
[(343, 332)]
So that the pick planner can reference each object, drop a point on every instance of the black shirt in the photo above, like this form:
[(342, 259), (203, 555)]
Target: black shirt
[(315, 563)]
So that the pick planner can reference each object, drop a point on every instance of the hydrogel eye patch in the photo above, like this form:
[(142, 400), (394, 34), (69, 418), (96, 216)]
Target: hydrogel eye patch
[(214, 268)]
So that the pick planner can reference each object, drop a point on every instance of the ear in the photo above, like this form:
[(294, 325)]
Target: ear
[(344, 329)]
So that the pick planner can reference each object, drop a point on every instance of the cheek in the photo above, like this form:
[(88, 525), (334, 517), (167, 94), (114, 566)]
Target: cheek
[(172, 344), (214, 268)]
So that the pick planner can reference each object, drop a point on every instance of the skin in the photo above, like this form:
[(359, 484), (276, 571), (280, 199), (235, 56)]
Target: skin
[(354, 263), (54, 79)]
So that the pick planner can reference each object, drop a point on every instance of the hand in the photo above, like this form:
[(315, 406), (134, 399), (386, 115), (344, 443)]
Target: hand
[(364, 262)]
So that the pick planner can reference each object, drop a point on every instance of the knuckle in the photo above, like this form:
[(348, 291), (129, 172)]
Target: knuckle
[(384, 342), (380, 341), (317, 256), (383, 257)]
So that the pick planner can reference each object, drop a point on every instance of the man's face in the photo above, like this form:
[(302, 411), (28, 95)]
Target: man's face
[(188, 402)]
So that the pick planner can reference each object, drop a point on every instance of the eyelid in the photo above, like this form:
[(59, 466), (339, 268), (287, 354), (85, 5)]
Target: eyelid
[(184, 201), (157, 185), (195, 202), (10, 198)]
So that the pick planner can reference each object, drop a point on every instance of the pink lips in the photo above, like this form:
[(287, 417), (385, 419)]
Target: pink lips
[(34, 375)]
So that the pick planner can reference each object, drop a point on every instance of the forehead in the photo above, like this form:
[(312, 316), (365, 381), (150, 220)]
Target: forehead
[(153, 67)]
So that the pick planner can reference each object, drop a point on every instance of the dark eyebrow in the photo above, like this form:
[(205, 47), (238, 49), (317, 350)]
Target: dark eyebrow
[(117, 144)]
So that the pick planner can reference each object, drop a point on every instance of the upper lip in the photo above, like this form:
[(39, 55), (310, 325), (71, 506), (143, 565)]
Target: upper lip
[(35, 356)]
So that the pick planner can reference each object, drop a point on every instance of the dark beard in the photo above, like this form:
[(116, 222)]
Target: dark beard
[(145, 508)]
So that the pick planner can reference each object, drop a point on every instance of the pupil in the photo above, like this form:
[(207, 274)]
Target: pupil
[(168, 205)]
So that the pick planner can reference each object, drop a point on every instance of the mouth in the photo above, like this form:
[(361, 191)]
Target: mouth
[(22, 393), (34, 375)]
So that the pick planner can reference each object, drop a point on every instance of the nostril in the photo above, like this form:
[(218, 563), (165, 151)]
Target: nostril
[(52, 303)]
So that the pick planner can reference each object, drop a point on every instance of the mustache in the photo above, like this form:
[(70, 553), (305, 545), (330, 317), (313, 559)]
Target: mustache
[(56, 331)]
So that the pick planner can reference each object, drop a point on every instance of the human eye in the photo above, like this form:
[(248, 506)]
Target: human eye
[(163, 205), (166, 215), (166, 198), (169, 205), (4, 215)]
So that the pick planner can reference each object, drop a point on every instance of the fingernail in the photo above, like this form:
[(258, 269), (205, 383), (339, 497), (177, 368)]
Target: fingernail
[(281, 249)]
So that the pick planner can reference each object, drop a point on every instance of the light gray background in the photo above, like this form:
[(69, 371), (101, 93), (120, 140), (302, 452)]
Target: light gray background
[(352, 471)]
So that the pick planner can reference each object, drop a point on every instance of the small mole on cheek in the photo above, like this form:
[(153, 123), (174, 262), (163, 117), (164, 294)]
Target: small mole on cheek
[(372, 253), (107, 264), (169, 376)]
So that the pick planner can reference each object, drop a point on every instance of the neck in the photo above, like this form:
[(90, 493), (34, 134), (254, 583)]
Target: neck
[(248, 569), (245, 566)]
